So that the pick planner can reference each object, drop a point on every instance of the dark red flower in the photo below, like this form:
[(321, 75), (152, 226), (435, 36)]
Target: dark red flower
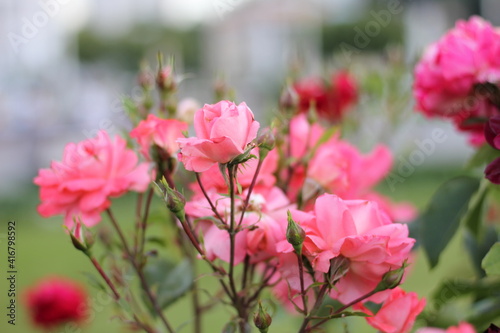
[(492, 171), (55, 301), (492, 131), (330, 101)]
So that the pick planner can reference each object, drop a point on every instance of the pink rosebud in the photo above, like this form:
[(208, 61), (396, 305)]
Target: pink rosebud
[(398, 312), (161, 132), (91, 172), (56, 301), (223, 131)]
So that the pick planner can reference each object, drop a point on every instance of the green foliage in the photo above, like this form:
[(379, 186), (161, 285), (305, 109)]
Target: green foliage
[(491, 262), (441, 220), (169, 279), (126, 50), (334, 35), (474, 216)]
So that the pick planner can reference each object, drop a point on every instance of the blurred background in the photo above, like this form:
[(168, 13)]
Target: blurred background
[(66, 66)]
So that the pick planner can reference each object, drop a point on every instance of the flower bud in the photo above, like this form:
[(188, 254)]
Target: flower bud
[(175, 201), (165, 79), (262, 319), (391, 279), (288, 99), (295, 235), (265, 142), (81, 238), (339, 266)]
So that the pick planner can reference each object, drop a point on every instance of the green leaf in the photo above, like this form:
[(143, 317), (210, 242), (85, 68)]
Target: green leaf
[(474, 216), (491, 262), (484, 155), (442, 218), (169, 280), (478, 248), (452, 289)]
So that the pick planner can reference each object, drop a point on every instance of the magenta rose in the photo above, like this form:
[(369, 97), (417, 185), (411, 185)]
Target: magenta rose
[(223, 131)]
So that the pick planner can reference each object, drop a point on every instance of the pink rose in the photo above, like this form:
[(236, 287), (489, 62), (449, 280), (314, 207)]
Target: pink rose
[(90, 173), (266, 214), (161, 132), (463, 327), (337, 166), (55, 301), (212, 178), (448, 75), (398, 312), (223, 131), (357, 230)]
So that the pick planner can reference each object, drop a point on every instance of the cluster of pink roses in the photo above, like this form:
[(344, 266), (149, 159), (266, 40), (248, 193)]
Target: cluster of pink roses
[(337, 226), (354, 225), (458, 77)]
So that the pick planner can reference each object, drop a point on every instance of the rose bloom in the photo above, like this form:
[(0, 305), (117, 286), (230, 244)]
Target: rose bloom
[(451, 78), (161, 132), (266, 214), (330, 101), (54, 301), (212, 178), (91, 172), (223, 131), (357, 230), (398, 312), (463, 327)]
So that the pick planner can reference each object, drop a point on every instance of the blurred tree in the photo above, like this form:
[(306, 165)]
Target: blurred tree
[(127, 50)]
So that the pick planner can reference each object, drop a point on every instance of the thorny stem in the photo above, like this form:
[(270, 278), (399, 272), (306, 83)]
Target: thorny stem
[(144, 221), (208, 198), (139, 272), (250, 190), (317, 304), (301, 276), (339, 310), (104, 276), (138, 221), (232, 232)]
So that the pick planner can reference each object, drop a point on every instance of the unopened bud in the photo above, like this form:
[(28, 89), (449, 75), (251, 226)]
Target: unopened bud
[(265, 142), (262, 319), (81, 238), (339, 266), (391, 279), (220, 89), (295, 235), (288, 99), (165, 79), (175, 202)]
